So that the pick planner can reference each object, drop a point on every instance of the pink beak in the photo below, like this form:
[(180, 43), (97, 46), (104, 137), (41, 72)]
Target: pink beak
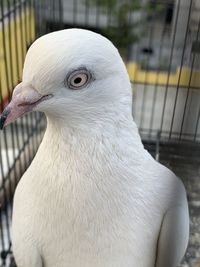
[(24, 99)]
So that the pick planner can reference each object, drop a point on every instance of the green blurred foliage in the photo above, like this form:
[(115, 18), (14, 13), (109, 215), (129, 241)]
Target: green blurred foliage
[(8, 2), (121, 30)]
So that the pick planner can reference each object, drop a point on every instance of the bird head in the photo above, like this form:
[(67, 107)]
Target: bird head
[(72, 75)]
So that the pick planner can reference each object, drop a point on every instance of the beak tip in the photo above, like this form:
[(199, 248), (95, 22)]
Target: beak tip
[(3, 117), (2, 121)]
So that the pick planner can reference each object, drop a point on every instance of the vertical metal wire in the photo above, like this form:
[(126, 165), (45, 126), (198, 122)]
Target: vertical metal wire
[(179, 77), (54, 11), (5, 230), (151, 32), (189, 85), (5, 198), (28, 37), (2, 237), (4, 50), (47, 7), (156, 84), (109, 14), (31, 32), (97, 13), (18, 74), (86, 13), (74, 12), (13, 126), (38, 30), (25, 46), (169, 66), (60, 14), (197, 125), (37, 16), (16, 42), (22, 42)]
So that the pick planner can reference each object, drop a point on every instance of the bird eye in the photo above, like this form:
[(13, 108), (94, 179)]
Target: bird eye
[(78, 79)]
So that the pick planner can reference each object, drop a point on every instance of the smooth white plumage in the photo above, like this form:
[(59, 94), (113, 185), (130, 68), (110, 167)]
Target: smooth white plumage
[(93, 196)]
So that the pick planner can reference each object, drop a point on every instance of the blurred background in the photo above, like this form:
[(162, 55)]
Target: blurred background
[(159, 41)]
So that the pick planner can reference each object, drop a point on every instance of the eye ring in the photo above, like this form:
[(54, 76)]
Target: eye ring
[(78, 79)]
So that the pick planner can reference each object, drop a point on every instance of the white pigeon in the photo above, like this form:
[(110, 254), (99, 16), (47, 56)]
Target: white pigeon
[(93, 196)]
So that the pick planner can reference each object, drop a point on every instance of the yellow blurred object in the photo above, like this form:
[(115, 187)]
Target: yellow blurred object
[(197, 263), (15, 37), (183, 76)]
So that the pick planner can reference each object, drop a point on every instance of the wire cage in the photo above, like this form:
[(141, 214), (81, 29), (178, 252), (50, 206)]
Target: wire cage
[(159, 42)]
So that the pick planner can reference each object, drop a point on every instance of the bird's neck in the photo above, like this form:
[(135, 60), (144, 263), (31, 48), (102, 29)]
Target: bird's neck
[(122, 134), (76, 157)]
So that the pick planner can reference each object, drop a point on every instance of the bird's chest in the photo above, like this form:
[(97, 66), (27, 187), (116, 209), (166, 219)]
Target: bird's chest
[(79, 221), (85, 212), (99, 231)]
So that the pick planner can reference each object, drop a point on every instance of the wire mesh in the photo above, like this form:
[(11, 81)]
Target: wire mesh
[(159, 42), (21, 22), (167, 96)]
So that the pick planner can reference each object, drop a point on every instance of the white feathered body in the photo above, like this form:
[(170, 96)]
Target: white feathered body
[(93, 197), (74, 213)]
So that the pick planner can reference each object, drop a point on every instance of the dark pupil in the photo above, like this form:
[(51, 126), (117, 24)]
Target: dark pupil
[(77, 80)]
